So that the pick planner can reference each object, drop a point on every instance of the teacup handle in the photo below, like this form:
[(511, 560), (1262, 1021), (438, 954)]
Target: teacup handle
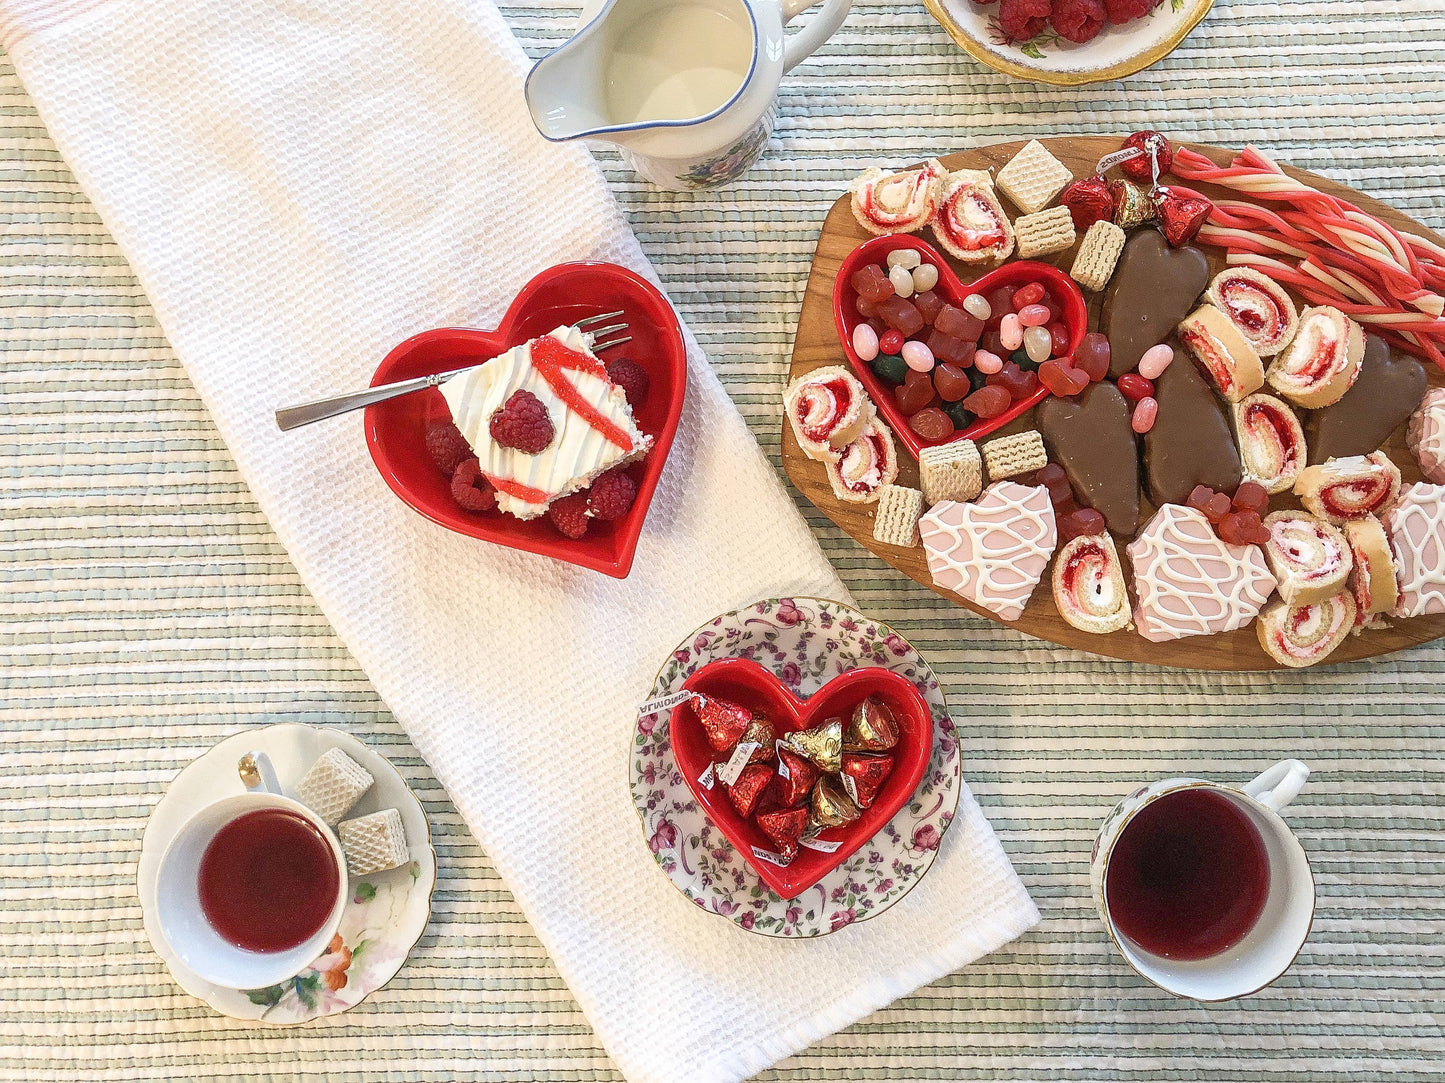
[(257, 774), (806, 41), (1279, 785)]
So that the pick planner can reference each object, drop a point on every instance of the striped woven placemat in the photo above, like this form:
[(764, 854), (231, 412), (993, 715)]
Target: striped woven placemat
[(146, 611)]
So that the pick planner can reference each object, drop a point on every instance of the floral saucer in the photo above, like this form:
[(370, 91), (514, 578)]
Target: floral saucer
[(383, 919), (806, 642)]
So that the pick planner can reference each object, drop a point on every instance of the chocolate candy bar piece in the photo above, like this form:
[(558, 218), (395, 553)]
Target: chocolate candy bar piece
[(1154, 287), (1387, 391), (1091, 438), (1191, 442)]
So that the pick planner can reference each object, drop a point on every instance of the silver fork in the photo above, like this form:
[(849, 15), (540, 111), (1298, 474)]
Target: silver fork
[(293, 417)]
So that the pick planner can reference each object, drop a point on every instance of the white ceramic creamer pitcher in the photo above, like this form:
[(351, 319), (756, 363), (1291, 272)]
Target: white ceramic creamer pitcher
[(683, 88)]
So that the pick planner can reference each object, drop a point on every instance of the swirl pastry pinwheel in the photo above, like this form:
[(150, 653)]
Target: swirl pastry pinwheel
[(1191, 583), (993, 552), (898, 202), (1258, 306), (1349, 488), (1372, 578), (1426, 435), (1305, 635), (1088, 584), (865, 465), (1222, 352), (1271, 442), (970, 222), (1416, 526), (1310, 558), (828, 408), (1322, 361)]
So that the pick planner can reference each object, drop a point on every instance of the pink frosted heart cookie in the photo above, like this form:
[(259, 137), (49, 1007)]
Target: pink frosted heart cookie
[(1416, 525), (1190, 582), (992, 552)]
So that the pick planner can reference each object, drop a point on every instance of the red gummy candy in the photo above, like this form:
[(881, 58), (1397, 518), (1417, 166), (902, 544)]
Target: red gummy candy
[(932, 424), (632, 378), (1000, 301), (1243, 528), (1199, 497), (1020, 20), (783, 827), (871, 283), (749, 787), (1062, 378), (951, 382), (958, 323), (522, 422), (1092, 356), (950, 349), (900, 315), (1217, 508), (1052, 477), (988, 402), (569, 515), (1140, 169), (929, 305), (866, 309), (1135, 387), (868, 774), (1251, 496), (1013, 380), (612, 495), (992, 341), (891, 342), (471, 489), (1080, 521), (1078, 20), (447, 446), (802, 774), (1031, 294), (914, 393)]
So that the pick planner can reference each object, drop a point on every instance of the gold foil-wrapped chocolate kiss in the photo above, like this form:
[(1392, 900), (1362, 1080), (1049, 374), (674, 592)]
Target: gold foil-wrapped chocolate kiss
[(872, 728), (822, 745), (832, 807)]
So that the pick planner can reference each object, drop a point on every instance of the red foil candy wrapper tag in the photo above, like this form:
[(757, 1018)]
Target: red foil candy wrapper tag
[(1088, 201), (1132, 207), (1180, 216)]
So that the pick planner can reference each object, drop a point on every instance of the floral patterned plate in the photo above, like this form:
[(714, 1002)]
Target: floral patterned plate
[(1049, 58), (382, 921), (806, 642)]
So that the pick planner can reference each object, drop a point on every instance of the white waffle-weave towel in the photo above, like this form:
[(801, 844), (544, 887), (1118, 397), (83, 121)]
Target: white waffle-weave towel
[(299, 185)]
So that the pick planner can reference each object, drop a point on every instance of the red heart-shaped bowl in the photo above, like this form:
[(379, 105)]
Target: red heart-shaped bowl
[(396, 429), (745, 682), (1018, 273)]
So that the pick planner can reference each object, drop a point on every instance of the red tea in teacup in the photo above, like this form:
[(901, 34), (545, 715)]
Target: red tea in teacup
[(268, 880), (1189, 875)]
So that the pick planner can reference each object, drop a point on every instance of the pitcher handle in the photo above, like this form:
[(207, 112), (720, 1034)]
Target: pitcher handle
[(1279, 785), (822, 27)]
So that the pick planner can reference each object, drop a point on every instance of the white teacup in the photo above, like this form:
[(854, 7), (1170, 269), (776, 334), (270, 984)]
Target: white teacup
[(183, 922), (1275, 939)]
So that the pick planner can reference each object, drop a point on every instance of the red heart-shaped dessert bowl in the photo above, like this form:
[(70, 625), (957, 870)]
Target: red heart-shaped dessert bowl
[(744, 682), (951, 289), (396, 429)]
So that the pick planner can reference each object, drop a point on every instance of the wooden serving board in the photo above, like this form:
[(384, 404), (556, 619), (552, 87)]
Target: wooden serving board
[(817, 344)]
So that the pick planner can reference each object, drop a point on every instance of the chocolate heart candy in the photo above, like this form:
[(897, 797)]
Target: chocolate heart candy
[(1191, 442), (1091, 438), (1387, 391), (1153, 288)]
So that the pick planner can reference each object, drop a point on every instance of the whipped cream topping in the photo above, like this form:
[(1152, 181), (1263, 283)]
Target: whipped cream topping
[(579, 451)]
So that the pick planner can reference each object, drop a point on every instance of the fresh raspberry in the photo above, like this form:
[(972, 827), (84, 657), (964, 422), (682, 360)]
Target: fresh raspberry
[(632, 378), (569, 514), (1020, 20), (522, 423), (447, 446), (1123, 11), (471, 489), (1078, 20), (612, 495)]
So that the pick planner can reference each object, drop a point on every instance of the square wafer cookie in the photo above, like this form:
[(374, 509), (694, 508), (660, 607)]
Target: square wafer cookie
[(334, 783), (950, 471), (895, 521), (1033, 177), (1010, 456), (373, 843), (1094, 264), (1044, 232)]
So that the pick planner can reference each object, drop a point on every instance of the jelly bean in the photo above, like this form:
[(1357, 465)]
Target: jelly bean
[(1145, 411), (947, 348), (932, 424), (1062, 379), (958, 323), (1134, 387), (907, 258), (988, 402), (917, 356), (975, 304), (929, 304), (891, 342), (1155, 360), (1039, 344), (902, 280), (865, 342), (925, 277), (1093, 356), (871, 283), (914, 393), (1033, 315), (1059, 337), (1079, 522), (986, 361), (951, 382), (1251, 496), (1031, 294), (1011, 332), (890, 368), (901, 315)]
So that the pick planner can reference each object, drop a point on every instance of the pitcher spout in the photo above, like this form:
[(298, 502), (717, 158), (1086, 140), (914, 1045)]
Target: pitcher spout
[(564, 88)]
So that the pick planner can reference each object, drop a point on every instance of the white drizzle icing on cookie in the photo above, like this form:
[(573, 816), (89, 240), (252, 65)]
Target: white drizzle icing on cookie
[(1416, 525), (992, 552)]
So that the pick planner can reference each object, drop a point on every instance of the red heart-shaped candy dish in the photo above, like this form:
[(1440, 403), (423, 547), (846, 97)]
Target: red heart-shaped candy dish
[(396, 429), (744, 682), (1017, 273)]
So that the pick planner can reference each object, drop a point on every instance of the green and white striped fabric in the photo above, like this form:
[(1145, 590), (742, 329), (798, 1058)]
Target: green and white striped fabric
[(146, 611)]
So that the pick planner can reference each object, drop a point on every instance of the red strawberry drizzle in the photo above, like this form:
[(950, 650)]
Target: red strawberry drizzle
[(518, 490), (551, 358)]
